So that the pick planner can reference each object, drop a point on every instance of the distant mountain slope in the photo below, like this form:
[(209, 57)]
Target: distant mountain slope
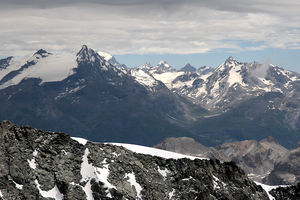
[(92, 93), (188, 68), (112, 60), (286, 171), (256, 158), (49, 165), (255, 118), (92, 99)]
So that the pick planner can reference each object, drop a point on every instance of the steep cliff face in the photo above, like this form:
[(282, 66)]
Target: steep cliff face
[(42, 165)]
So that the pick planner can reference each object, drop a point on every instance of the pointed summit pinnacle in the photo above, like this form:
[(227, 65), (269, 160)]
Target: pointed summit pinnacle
[(83, 50), (43, 53), (87, 55), (230, 59)]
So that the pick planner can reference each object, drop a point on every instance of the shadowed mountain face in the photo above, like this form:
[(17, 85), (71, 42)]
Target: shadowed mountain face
[(52, 165), (91, 95), (95, 100)]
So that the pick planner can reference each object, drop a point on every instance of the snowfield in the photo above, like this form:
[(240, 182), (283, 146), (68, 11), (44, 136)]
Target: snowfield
[(49, 69), (145, 150), (154, 152)]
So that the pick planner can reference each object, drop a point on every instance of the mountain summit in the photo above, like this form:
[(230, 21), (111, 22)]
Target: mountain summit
[(188, 68)]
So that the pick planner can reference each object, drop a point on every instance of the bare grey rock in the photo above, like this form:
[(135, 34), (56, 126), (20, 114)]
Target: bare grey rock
[(34, 162)]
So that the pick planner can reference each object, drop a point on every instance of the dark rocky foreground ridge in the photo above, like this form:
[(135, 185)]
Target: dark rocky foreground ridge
[(287, 193), (35, 164)]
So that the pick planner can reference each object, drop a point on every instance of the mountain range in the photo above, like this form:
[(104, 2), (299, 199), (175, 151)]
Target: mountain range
[(91, 95)]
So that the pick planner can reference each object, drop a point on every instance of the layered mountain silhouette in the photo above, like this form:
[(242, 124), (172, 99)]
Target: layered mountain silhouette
[(91, 95)]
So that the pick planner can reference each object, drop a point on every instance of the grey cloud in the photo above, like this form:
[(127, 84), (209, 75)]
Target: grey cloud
[(225, 5), (143, 26), (261, 70)]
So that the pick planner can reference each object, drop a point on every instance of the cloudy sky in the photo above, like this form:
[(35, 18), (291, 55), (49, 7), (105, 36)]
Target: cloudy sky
[(202, 32)]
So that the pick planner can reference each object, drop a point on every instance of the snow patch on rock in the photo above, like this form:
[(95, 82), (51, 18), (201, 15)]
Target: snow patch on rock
[(167, 77), (31, 162), (89, 172), (20, 187), (268, 188), (143, 78), (53, 193), (80, 140), (105, 55), (133, 183), (164, 172)]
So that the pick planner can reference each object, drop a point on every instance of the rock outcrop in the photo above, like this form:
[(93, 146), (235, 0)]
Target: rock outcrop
[(286, 193), (35, 164)]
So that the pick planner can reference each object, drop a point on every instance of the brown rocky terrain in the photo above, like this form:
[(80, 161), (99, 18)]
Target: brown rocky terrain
[(256, 158)]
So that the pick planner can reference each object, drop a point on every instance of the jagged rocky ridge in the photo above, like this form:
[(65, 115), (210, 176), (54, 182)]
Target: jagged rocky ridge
[(42, 165)]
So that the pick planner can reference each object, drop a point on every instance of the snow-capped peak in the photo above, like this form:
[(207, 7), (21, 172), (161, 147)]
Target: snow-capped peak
[(43, 65), (163, 64), (38, 55), (105, 55), (188, 68), (146, 66), (230, 59), (229, 63), (42, 53), (88, 55)]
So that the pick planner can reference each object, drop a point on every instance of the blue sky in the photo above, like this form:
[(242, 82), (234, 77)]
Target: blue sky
[(288, 59)]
